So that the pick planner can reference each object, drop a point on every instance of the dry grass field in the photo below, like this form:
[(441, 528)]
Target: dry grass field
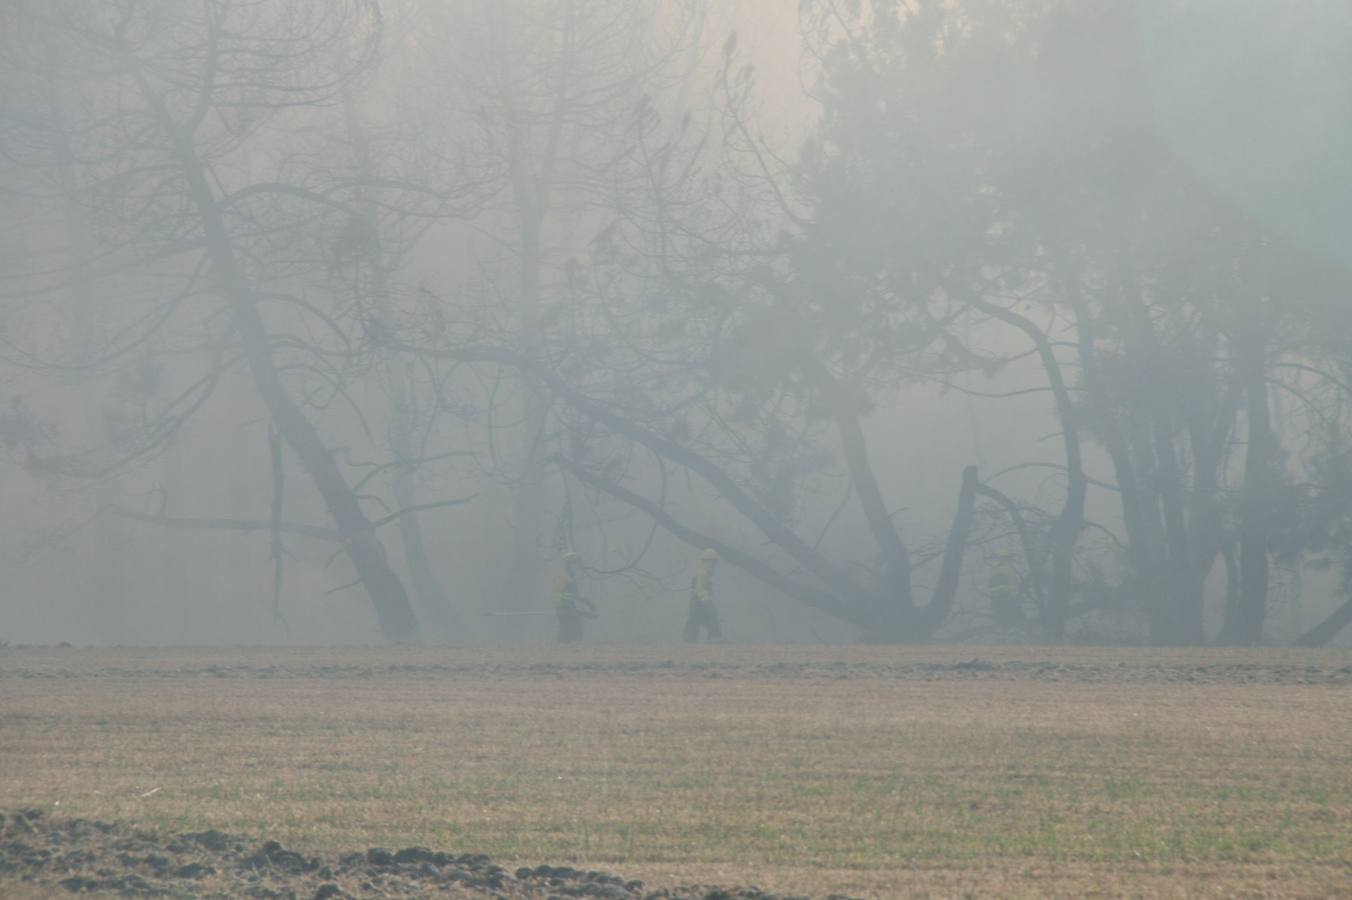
[(863, 771)]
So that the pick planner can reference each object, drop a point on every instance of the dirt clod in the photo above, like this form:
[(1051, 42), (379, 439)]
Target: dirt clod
[(83, 856)]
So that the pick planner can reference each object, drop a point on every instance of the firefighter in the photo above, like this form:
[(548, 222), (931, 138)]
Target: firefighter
[(1005, 590), (571, 606), (702, 613)]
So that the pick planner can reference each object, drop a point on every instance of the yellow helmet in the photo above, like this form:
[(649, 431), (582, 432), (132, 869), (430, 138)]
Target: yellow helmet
[(711, 554)]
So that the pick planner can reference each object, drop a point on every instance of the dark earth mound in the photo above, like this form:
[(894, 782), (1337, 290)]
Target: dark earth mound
[(739, 663), (50, 855)]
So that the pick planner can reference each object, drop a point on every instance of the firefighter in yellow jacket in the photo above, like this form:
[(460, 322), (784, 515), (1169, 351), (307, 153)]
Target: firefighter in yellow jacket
[(570, 605), (702, 613)]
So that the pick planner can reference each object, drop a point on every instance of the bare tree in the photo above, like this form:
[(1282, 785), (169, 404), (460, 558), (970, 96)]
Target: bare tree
[(1006, 159), (541, 95), (169, 109), (695, 379)]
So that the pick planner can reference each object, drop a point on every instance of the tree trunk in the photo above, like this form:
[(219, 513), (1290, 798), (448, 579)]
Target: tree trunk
[(1141, 524), (1255, 508), (937, 611), (525, 581), (1182, 623), (909, 624), (1066, 532), (427, 587), (1174, 596), (395, 615), (431, 595), (1231, 584), (1210, 415), (531, 175), (1025, 541)]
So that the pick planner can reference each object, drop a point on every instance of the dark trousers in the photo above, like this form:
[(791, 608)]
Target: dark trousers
[(702, 615), (570, 626)]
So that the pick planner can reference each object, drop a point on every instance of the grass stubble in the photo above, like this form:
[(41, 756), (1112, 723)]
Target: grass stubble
[(636, 761)]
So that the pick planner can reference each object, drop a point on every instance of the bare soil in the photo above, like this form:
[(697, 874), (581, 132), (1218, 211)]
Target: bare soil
[(52, 855)]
